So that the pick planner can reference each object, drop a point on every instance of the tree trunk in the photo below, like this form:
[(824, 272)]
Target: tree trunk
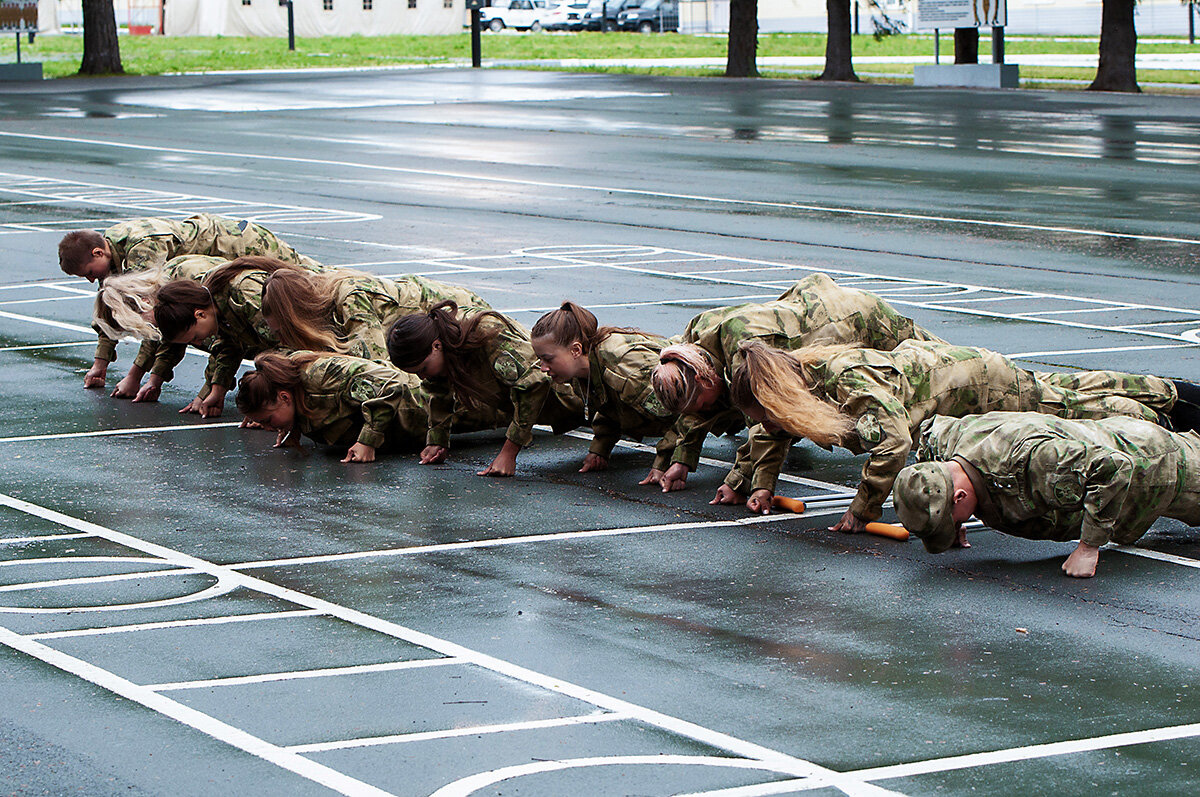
[(101, 50), (838, 65), (1118, 46), (741, 58), (966, 45)]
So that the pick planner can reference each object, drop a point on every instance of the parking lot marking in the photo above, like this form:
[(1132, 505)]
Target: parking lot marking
[(195, 621), (611, 189), (473, 730), (36, 346), (204, 723), (41, 538), (181, 427), (740, 747), (296, 675)]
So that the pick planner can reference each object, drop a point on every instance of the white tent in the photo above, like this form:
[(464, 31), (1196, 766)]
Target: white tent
[(313, 17)]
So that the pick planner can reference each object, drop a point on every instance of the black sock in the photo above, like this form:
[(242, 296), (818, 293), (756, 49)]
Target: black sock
[(1185, 415)]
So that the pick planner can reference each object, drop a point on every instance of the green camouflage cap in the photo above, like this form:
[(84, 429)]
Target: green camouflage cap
[(922, 497)]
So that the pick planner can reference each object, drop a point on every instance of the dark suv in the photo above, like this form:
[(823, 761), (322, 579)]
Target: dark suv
[(609, 9), (651, 16)]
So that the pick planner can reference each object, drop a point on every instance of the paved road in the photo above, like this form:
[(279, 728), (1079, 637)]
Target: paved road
[(1057, 227)]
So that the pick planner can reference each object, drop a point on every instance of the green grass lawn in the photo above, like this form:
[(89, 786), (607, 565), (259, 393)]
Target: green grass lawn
[(152, 55)]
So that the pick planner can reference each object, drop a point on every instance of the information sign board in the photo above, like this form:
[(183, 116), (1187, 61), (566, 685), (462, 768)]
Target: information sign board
[(945, 14)]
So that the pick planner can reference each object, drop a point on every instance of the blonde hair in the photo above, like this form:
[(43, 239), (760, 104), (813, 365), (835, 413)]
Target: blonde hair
[(676, 378), (124, 301), (773, 380)]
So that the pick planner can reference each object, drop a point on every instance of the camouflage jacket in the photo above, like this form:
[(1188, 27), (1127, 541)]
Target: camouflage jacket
[(889, 394), (242, 332), (151, 242), (365, 307), (1041, 477), (508, 366), (814, 311), (620, 399), (159, 357), (348, 400)]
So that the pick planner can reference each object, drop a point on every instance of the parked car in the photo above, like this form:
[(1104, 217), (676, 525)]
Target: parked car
[(565, 15), (518, 14), (651, 16), (608, 9)]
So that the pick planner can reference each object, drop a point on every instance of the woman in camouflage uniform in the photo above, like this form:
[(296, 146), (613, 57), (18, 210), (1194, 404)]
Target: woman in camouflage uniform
[(350, 311), (469, 358), (125, 307), (873, 402), (342, 401), (610, 367), (691, 379), (148, 243), (226, 307)]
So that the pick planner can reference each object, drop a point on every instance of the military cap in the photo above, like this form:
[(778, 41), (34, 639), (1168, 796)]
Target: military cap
[(922, 497)]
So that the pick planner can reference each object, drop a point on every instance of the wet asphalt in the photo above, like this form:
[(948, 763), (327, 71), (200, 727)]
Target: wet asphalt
[(1060, 228)]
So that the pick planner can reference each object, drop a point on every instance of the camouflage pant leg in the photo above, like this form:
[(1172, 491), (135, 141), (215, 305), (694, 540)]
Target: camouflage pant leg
[(1067, 403), (1153, 391), (231, 238)]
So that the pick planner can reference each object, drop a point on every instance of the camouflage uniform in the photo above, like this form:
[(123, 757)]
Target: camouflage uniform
[(160, 357), (815, 311), (349, 400), (523, 392), (149, 243), (1045, 478), (1155, 392), (242, 333), (889, 394), (619, 397), (365, 307)]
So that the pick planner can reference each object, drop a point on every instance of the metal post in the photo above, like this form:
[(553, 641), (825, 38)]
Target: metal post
[(937, 46), (604, 17), (291, 24), (18, 47), (1192, 22), (998, 45), (855, 17), (476, 61)]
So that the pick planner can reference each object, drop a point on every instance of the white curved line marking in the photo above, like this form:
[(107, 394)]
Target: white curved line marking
[(469, 785)]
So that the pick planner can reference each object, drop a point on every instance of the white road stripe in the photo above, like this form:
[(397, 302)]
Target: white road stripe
[(296, 675), (37, 346), (40, 538), (27, 586), (224, 732), (196, 621), (475, 730), (127, 431), (776, 760), (609, 189)]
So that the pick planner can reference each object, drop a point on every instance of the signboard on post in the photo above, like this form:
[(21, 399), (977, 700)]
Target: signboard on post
[(18, 17), (943, 14)]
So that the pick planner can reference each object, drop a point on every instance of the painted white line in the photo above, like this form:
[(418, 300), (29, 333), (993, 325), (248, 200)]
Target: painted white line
[(777, 760), (42, 300), (45, 322), (497, 542), (609, 189), (759, 789), (40, 538), (224, 732), (71, 582), (469, 785), (1101, 350), (1156, 555), (476, 730), (197, 621), (128, 431), (1029, 752), (296, 675), (37, 346)]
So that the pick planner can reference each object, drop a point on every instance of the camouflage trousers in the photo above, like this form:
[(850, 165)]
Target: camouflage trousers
[(219, 236), (1100, 390)]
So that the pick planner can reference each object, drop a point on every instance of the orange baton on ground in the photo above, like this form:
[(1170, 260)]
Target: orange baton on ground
[(878, 529), (888, 530)]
